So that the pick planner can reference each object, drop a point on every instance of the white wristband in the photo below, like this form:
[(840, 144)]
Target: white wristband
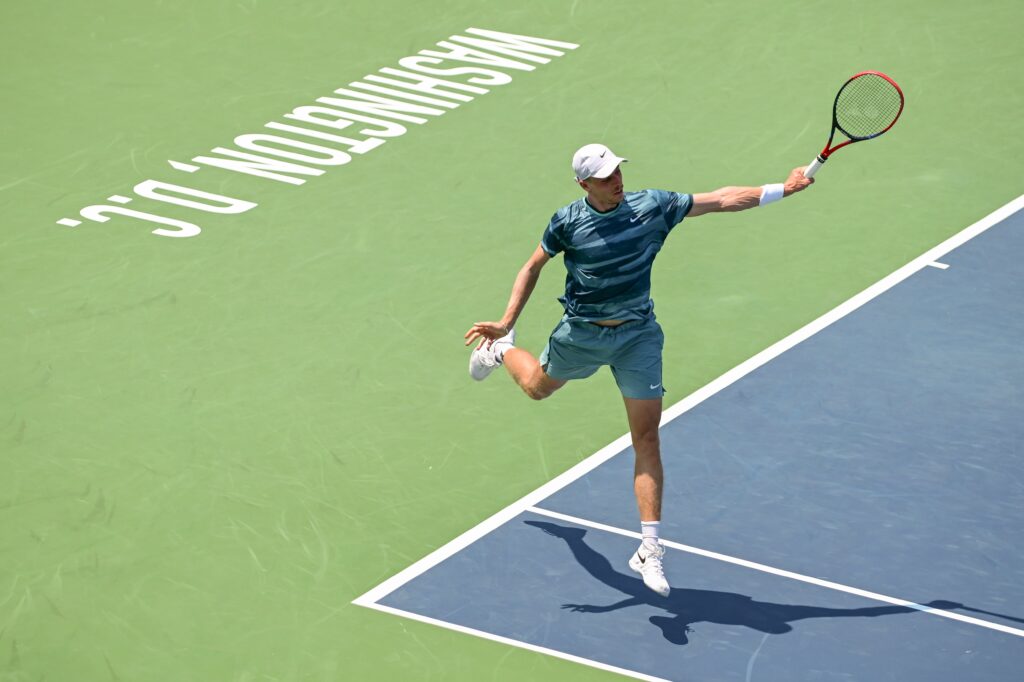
[(770, 193)]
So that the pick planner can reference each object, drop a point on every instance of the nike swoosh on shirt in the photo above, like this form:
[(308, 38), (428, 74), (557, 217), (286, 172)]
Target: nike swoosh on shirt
[(633, 220), (655, 386)]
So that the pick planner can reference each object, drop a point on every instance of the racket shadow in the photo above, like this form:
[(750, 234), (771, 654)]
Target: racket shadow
[(690, 606)]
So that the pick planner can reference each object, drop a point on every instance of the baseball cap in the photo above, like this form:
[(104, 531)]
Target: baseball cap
[(594, 161)]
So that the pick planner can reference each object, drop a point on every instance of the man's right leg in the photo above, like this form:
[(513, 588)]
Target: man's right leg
[(528, 373)]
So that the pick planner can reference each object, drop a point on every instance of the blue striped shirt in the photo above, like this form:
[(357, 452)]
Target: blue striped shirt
[(608, 256)]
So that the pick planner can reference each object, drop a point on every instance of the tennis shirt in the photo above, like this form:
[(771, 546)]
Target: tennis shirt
[(608, 256)]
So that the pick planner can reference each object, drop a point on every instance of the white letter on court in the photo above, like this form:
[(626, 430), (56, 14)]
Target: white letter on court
[(97, 214), (330, 157), (343, 119), (495, 77), (220, 203)]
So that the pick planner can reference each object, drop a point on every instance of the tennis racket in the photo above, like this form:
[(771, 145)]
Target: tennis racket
[(867, 105)]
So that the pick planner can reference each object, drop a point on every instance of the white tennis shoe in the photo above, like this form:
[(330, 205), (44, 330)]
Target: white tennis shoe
[(488, 356), (646, 561)]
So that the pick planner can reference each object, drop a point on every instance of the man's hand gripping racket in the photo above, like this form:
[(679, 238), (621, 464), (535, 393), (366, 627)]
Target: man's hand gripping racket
[(867, 105)]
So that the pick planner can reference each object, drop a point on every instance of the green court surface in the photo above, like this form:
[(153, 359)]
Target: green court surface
[(209, 446)]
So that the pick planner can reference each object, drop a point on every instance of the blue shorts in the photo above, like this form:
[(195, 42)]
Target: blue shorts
[(577, 349)]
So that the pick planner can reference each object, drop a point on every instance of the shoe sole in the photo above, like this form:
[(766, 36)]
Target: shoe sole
[(486, 371), (474, 377)]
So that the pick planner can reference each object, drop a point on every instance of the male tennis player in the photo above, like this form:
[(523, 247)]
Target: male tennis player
[(609, 240)]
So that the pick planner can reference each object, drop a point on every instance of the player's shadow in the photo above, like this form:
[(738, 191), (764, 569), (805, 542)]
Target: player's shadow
[(689, 606)]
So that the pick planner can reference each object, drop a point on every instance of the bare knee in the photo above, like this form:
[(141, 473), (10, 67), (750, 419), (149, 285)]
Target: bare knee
[(540, 386), (538, 392), (647, 443)]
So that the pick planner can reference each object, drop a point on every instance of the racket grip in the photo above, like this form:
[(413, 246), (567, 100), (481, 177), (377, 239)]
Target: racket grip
[(813, 168)]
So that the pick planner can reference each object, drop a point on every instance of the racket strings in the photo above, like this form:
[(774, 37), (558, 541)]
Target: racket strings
[(867, 106)]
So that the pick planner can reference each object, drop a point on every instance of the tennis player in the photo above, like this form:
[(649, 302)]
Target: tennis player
[(609, 239)]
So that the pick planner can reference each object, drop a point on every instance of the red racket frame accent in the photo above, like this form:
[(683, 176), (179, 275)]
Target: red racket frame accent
[(828, 150)]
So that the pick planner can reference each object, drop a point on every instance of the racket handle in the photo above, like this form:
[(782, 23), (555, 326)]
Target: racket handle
[(813, 168)]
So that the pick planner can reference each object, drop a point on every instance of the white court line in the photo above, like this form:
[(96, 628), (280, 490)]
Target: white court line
[(515, 643), (785, 574), (370, 598), (940, 266)]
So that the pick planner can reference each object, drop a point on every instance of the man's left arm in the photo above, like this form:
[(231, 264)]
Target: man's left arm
[(731, 199)]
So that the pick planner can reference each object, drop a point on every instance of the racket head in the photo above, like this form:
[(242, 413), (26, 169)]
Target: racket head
[(867, 105)]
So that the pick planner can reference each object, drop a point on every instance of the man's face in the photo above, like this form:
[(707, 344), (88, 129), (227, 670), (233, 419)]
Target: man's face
[(605, 190)]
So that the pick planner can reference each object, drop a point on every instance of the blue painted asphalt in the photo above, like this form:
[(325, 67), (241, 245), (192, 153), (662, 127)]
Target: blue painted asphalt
[(883, 453), (555, 585)]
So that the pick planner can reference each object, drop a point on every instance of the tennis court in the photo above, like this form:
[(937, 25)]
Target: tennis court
[(827, 459), (235, 409)]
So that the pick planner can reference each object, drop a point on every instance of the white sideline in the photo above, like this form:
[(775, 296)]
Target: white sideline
[(515, 642), (839, 587)]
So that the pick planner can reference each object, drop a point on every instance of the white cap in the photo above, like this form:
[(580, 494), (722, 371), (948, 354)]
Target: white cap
[(594, 161)]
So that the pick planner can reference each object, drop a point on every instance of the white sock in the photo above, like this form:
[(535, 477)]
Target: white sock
[(649, 531)]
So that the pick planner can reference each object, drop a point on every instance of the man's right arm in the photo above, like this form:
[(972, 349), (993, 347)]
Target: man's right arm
[(730, 199), (526, 280)]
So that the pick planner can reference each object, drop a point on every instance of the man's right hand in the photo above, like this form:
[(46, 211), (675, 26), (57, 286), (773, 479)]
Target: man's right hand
[(796, 182)]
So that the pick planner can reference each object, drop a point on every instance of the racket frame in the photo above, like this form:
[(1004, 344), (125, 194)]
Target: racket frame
[(829, 149)]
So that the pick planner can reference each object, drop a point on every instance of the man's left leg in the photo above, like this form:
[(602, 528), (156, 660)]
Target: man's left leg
[(636, 363), (644, 417)]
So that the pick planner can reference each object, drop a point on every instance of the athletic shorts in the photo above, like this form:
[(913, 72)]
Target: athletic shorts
[(577, 349)]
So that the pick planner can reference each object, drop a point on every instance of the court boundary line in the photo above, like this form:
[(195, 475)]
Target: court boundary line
[(765, 568), (515, 642), (371, 598)]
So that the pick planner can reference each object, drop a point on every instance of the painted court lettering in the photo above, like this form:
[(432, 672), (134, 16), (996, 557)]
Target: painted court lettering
[(381, 106), (253, 164), (494, 77), (339, 120), (429, 84), (461, 53)]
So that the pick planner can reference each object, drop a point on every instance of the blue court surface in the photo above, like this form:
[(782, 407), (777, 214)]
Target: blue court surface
[(848, 505)]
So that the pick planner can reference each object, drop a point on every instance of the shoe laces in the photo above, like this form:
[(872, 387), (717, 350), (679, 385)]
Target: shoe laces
[(653, 555)]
